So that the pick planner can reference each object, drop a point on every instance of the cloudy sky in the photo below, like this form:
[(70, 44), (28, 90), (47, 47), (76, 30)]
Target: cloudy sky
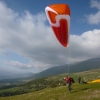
[(28, 44)]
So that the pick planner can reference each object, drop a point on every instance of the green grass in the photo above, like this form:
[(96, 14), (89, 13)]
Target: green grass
[(81, 92)]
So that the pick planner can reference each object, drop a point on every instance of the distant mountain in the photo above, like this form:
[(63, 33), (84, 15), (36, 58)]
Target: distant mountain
[(75, 67), (11, 75)]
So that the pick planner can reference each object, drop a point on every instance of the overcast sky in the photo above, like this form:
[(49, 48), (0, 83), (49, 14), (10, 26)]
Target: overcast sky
[(28, 44)]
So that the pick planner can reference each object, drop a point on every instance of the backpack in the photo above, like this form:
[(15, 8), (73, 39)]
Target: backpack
[(72, 80)]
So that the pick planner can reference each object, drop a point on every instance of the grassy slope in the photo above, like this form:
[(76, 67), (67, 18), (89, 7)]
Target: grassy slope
[(81, 91)]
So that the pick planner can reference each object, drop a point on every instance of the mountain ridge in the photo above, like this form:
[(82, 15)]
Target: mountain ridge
[(86, 65), (89, 64)]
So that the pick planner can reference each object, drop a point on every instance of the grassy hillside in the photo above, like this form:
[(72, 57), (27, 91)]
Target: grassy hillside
[(52, 91), (81, 92)]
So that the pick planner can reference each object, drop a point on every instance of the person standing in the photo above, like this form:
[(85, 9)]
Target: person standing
[(79, 79)]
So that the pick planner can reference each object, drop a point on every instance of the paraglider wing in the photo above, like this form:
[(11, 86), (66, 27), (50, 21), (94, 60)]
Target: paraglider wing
[(59, 19)]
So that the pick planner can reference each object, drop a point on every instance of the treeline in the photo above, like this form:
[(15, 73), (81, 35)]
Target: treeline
[(34, 85), (7, 87), (11, 93)]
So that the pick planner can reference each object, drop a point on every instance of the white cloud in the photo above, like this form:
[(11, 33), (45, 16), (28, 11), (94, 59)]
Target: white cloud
[(86, 45), (96, 4), (29, 36), (18, 64), (94, 18)]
